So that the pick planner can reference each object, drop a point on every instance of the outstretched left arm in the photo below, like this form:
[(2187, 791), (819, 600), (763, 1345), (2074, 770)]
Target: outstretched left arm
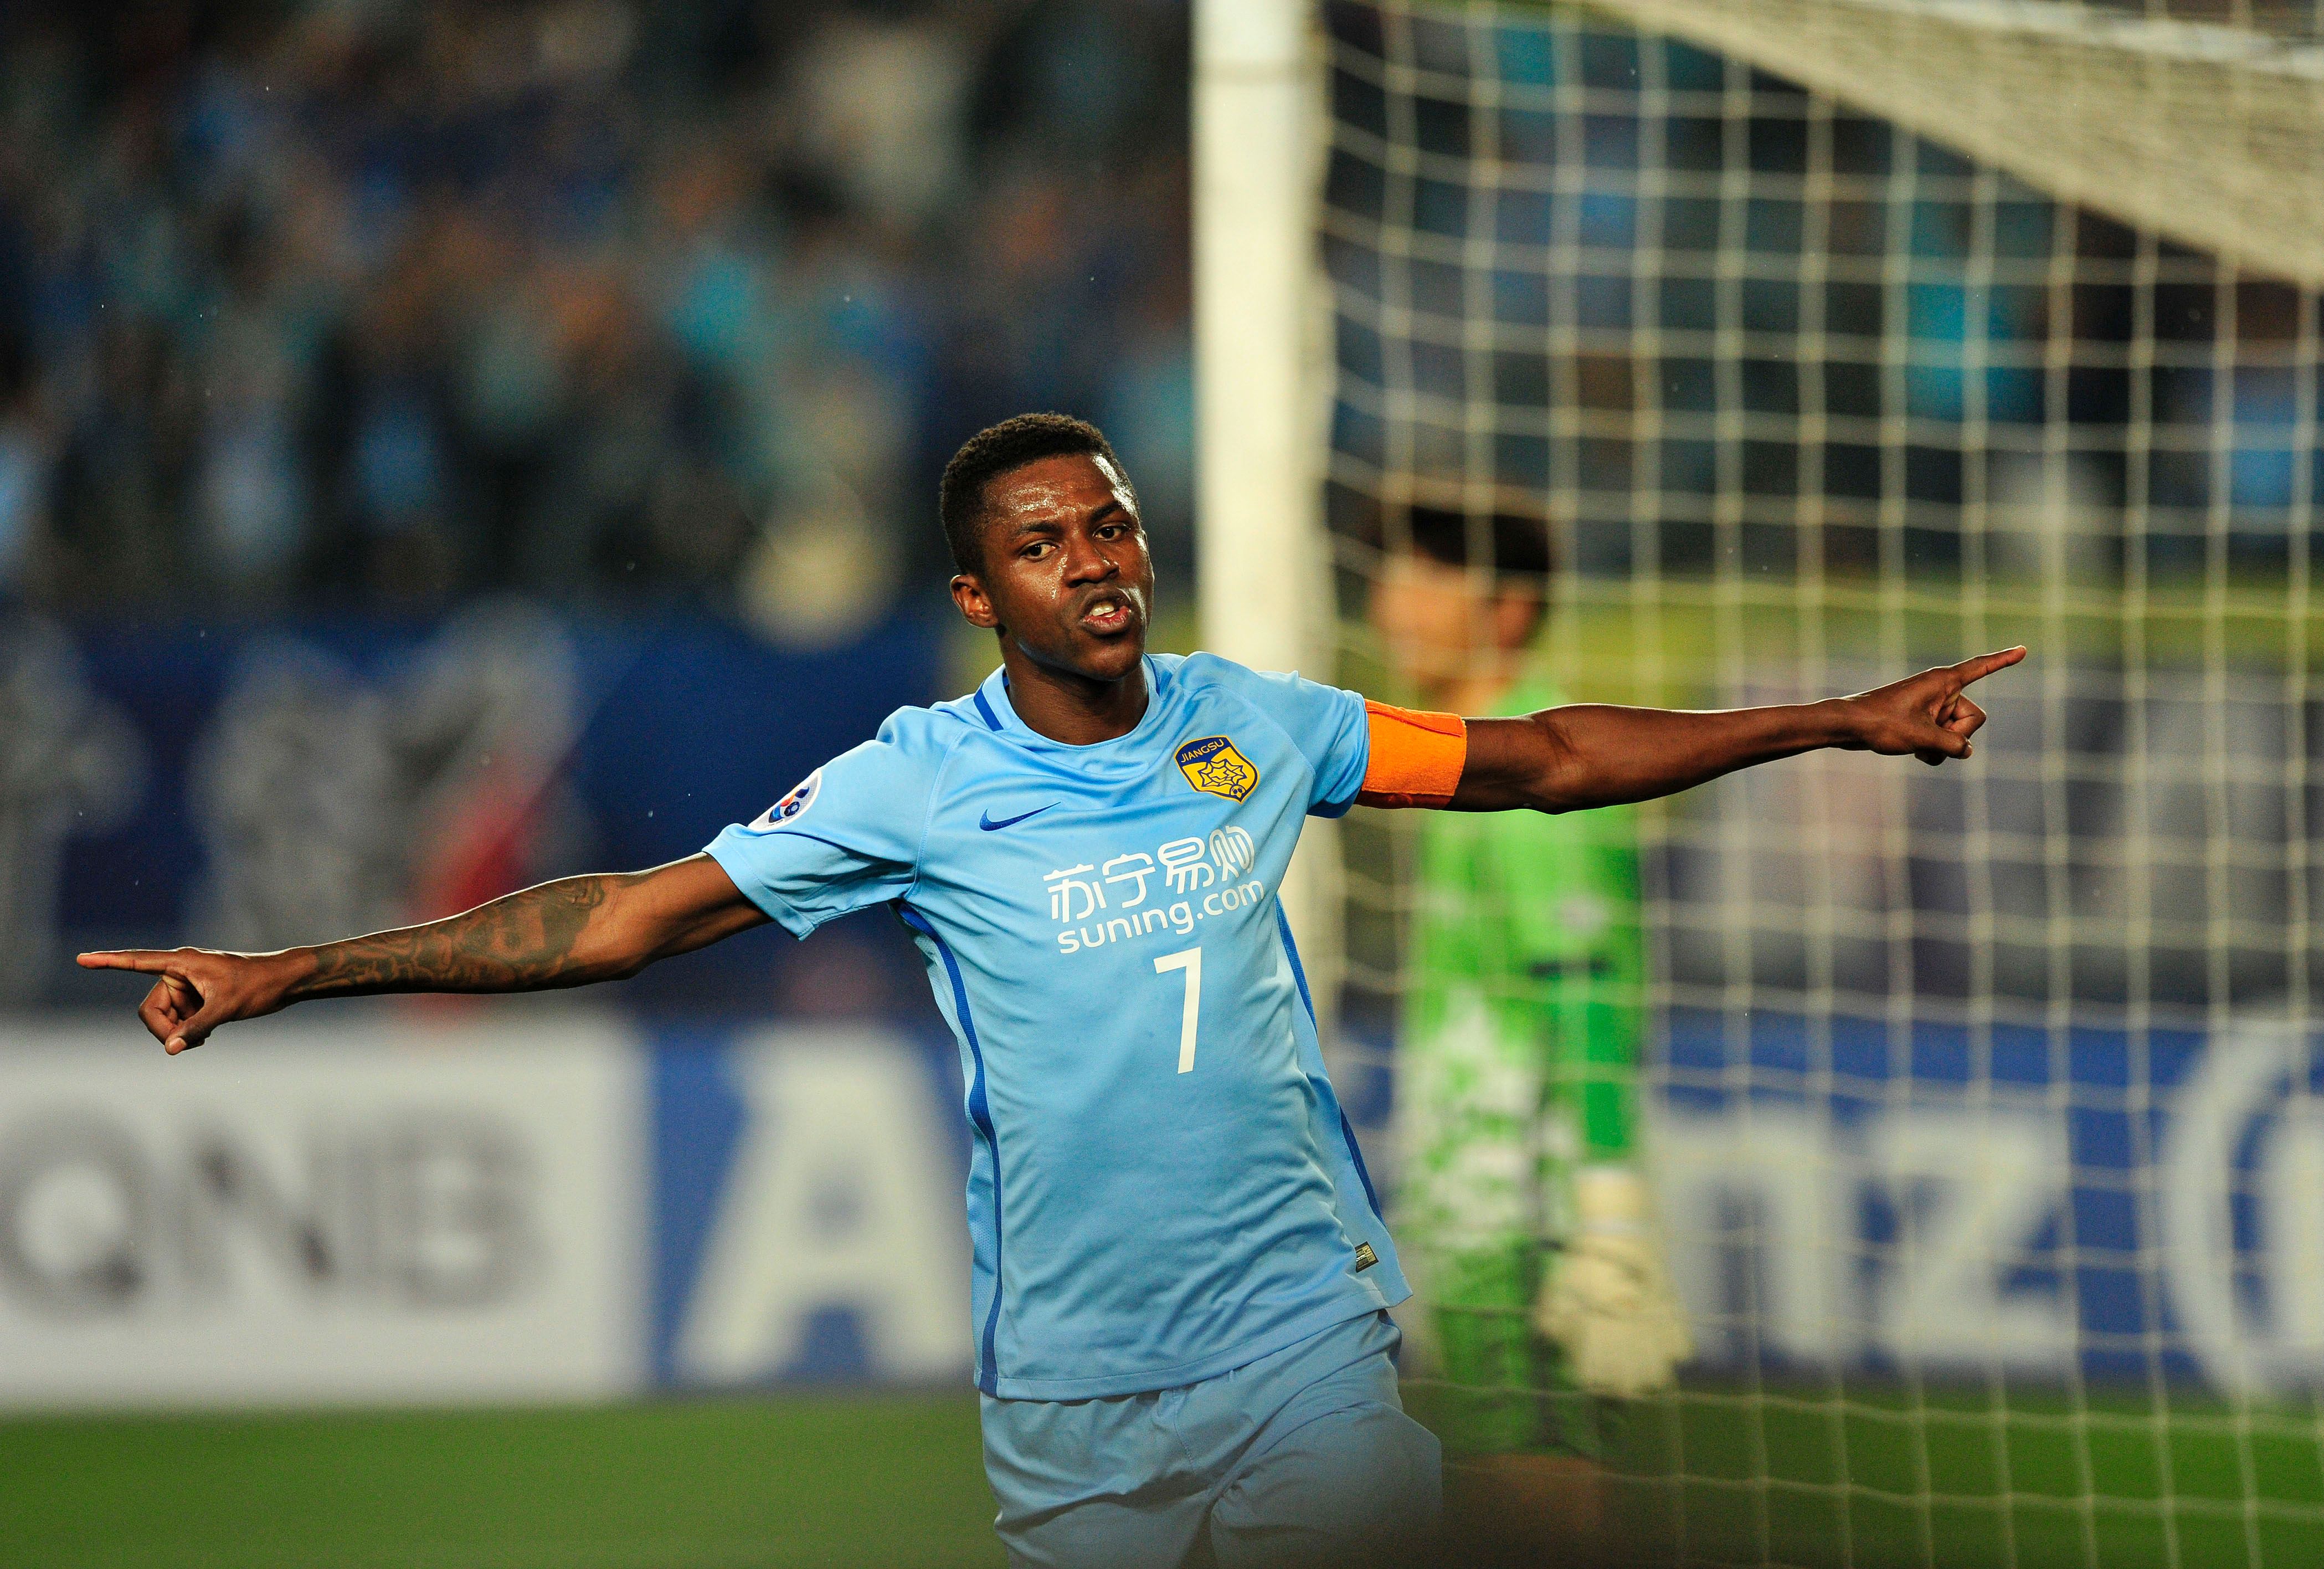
[(1595, 754)]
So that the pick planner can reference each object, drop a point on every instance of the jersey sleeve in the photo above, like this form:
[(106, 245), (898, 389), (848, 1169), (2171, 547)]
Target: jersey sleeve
[(1327, 725), (845, 837)]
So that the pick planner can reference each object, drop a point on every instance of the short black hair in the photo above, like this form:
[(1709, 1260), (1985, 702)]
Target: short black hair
[(1519, 546), (992, 452)]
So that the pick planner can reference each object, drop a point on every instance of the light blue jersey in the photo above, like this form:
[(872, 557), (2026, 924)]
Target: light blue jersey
[(1163, 1185)]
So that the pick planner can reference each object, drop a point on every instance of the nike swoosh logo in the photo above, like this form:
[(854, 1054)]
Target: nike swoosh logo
[(984, 820)]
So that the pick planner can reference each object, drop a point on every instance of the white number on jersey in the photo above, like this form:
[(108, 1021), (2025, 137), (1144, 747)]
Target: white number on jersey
[(1190, 961)]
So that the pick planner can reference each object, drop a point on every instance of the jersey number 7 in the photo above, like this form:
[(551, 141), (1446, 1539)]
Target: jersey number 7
[(1190, 961)]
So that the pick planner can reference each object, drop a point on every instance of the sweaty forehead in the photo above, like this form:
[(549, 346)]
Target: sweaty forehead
[(1070, 483)]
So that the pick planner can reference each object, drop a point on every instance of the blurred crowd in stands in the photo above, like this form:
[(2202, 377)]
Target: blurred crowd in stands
[(364, 302)]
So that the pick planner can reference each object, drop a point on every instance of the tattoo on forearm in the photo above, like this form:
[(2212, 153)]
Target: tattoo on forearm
[(526, 942)]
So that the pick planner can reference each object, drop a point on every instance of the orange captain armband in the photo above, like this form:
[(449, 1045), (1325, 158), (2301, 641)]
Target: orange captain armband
[(1416, 757)]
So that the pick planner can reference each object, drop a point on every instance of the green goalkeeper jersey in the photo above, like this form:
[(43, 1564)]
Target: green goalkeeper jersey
[(1516, 1056), (1527, 947)]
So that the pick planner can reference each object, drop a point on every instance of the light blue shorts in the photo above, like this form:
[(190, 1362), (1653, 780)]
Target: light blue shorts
[(1301, 1458)]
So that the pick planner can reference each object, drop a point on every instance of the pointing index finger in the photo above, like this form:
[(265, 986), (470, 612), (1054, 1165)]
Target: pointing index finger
[(1983, 665), (152, 961)]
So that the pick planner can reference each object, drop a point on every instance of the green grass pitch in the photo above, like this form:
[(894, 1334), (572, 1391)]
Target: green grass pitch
[(1967, 1479), (719, 1484), (896, 1481)]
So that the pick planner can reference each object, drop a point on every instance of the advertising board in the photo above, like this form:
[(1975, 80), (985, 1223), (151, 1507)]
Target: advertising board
[(387, 1204), (808, 1219), (2087, 1202), (361, 1213)]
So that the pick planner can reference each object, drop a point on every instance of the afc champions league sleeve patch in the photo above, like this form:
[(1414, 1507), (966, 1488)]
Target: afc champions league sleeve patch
[(1214, 766), (792, 807)]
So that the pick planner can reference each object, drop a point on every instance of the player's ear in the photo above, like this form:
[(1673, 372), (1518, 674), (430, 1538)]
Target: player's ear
[(975, 605)]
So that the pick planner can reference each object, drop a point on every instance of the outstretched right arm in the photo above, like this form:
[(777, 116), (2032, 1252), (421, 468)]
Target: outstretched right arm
[(566, 932)]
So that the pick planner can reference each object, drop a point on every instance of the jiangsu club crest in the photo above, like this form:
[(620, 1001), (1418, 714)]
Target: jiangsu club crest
[(1213, 765)]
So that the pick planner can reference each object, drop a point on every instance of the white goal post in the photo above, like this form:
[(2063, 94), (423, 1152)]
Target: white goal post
[(1262, 568)]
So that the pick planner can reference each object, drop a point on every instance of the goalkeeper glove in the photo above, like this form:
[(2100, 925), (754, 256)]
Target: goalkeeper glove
[(1608, 1301)]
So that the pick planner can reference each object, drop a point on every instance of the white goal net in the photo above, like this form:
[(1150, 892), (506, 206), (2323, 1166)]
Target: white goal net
[(1982, 1103)]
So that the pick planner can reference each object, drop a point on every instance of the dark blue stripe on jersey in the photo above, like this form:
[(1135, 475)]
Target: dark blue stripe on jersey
[(1298, 970), (991, 719), (1347, 1129), (980, 1115), (803, 833), (1348, 1132)]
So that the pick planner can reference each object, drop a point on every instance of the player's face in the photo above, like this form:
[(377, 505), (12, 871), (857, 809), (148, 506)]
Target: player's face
[(1066, 578), (1443, 623)]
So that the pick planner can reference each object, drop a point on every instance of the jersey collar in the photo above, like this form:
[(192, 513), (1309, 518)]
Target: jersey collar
[(990, 703)]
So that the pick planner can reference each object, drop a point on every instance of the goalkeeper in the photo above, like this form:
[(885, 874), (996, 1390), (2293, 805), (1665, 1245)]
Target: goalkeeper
[(1518, 1098)]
